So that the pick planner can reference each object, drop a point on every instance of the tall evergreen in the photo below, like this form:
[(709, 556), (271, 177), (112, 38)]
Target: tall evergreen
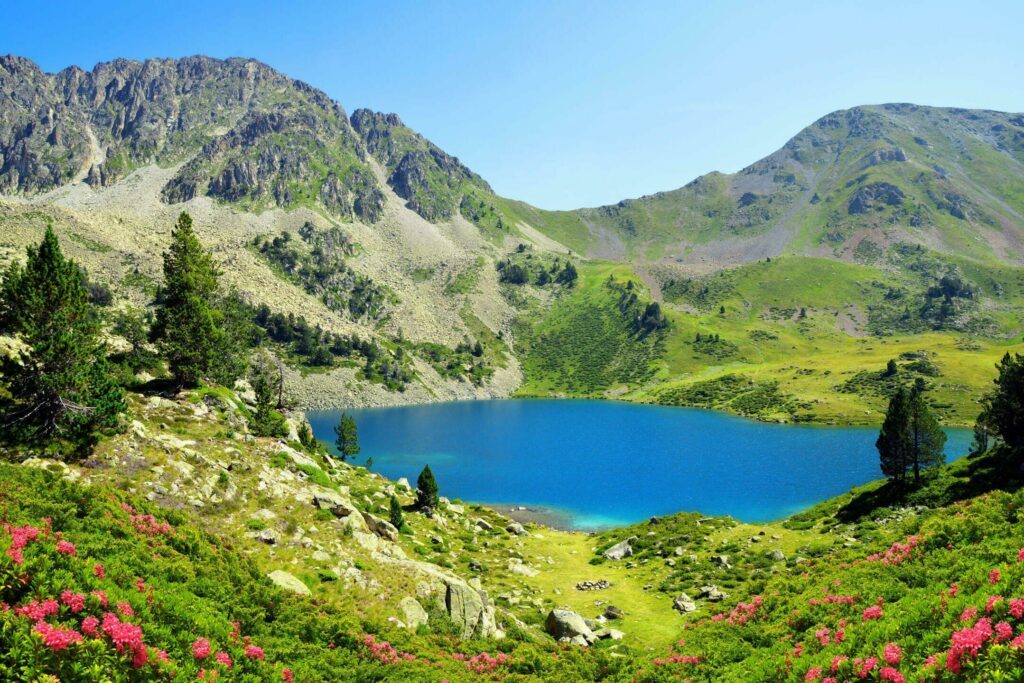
[(266, 380), (426, 490), (190, 321), (927, 440), (61, 391), (1004, 408), (893, 442), (395, 514), (348, 437)]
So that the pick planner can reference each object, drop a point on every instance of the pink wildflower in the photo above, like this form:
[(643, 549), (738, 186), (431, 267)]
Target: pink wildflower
[(74, 601), (66, 548), (893, 653), (253, 652), (89, 625), (225, 659), (201, 648), (98, 571), (890, 674), (57, 638), (873, 612), (993, 577)]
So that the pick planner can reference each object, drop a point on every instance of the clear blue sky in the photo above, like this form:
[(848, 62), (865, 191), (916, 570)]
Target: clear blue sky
[(568, 104)]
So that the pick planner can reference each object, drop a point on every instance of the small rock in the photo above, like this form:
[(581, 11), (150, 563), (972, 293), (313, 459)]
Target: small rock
[(619, 550), (289, 582)]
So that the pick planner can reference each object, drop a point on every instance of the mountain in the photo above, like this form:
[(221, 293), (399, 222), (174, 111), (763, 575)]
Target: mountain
[(878, 221), (849, 184)]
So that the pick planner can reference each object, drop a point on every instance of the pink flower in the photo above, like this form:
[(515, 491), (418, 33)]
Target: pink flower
[(98, 571), (969, 614), (873, 612), (66, 548), (1020, 555), (89, 625), (57, 638), (74, 601), (1017, 607), (1003, 632), (125, 609), (37, 611), (953, 590), (993, 577), (813, 674), (102, 597), (225, 659), (287, 676), (201, 648), (893, 653), (890, 674), (823, 636), (253, 652), (865, 666)]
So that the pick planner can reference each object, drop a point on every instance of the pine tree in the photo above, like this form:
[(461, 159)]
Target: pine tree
[(190, 323), (1004, 408), (348, 437), (397, 517), (927, 440), (266, 378), (62, 390), (426, 490), (893, 442)]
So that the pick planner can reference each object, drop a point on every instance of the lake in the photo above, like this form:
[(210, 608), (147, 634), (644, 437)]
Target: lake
[(607, 463)]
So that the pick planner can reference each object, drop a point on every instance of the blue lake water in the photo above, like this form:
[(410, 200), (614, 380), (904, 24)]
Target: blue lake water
[(605, 463)]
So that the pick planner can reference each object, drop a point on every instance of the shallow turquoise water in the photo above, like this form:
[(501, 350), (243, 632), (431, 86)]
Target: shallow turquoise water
[(607, 463)]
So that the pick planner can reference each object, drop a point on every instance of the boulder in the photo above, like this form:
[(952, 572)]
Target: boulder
[(563, 623), (609, 634), (619, 550), (484, 524), (268, 536), (468, 609), (711, 594), (329, 499), (776, 556), (612, 612), (721, 560), (289, 582), (403, 483), (684, 604), (413, 614), (381, 527), (517, 529)]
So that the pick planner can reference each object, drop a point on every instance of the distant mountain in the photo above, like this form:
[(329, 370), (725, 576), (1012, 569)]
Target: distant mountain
[(846, 186), (246, 134)]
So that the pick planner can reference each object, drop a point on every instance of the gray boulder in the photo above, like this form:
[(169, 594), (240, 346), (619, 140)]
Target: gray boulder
[(711, 594), (563, 623), (620, 550), (517, 529), (381, 527), (776, 555), (684, 604), (721, 560), (413, 614)]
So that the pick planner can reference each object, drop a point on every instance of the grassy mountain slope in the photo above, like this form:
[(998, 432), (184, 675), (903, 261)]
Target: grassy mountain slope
[(950, 179), (906, 571)]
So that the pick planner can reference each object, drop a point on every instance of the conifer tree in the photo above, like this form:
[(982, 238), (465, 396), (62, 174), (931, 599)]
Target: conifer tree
[(927, 440), (61, 391), (348, 437), (190, 323), (1004, 408), (266, 380), (893, 442), (397, 517), (426, 490)]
